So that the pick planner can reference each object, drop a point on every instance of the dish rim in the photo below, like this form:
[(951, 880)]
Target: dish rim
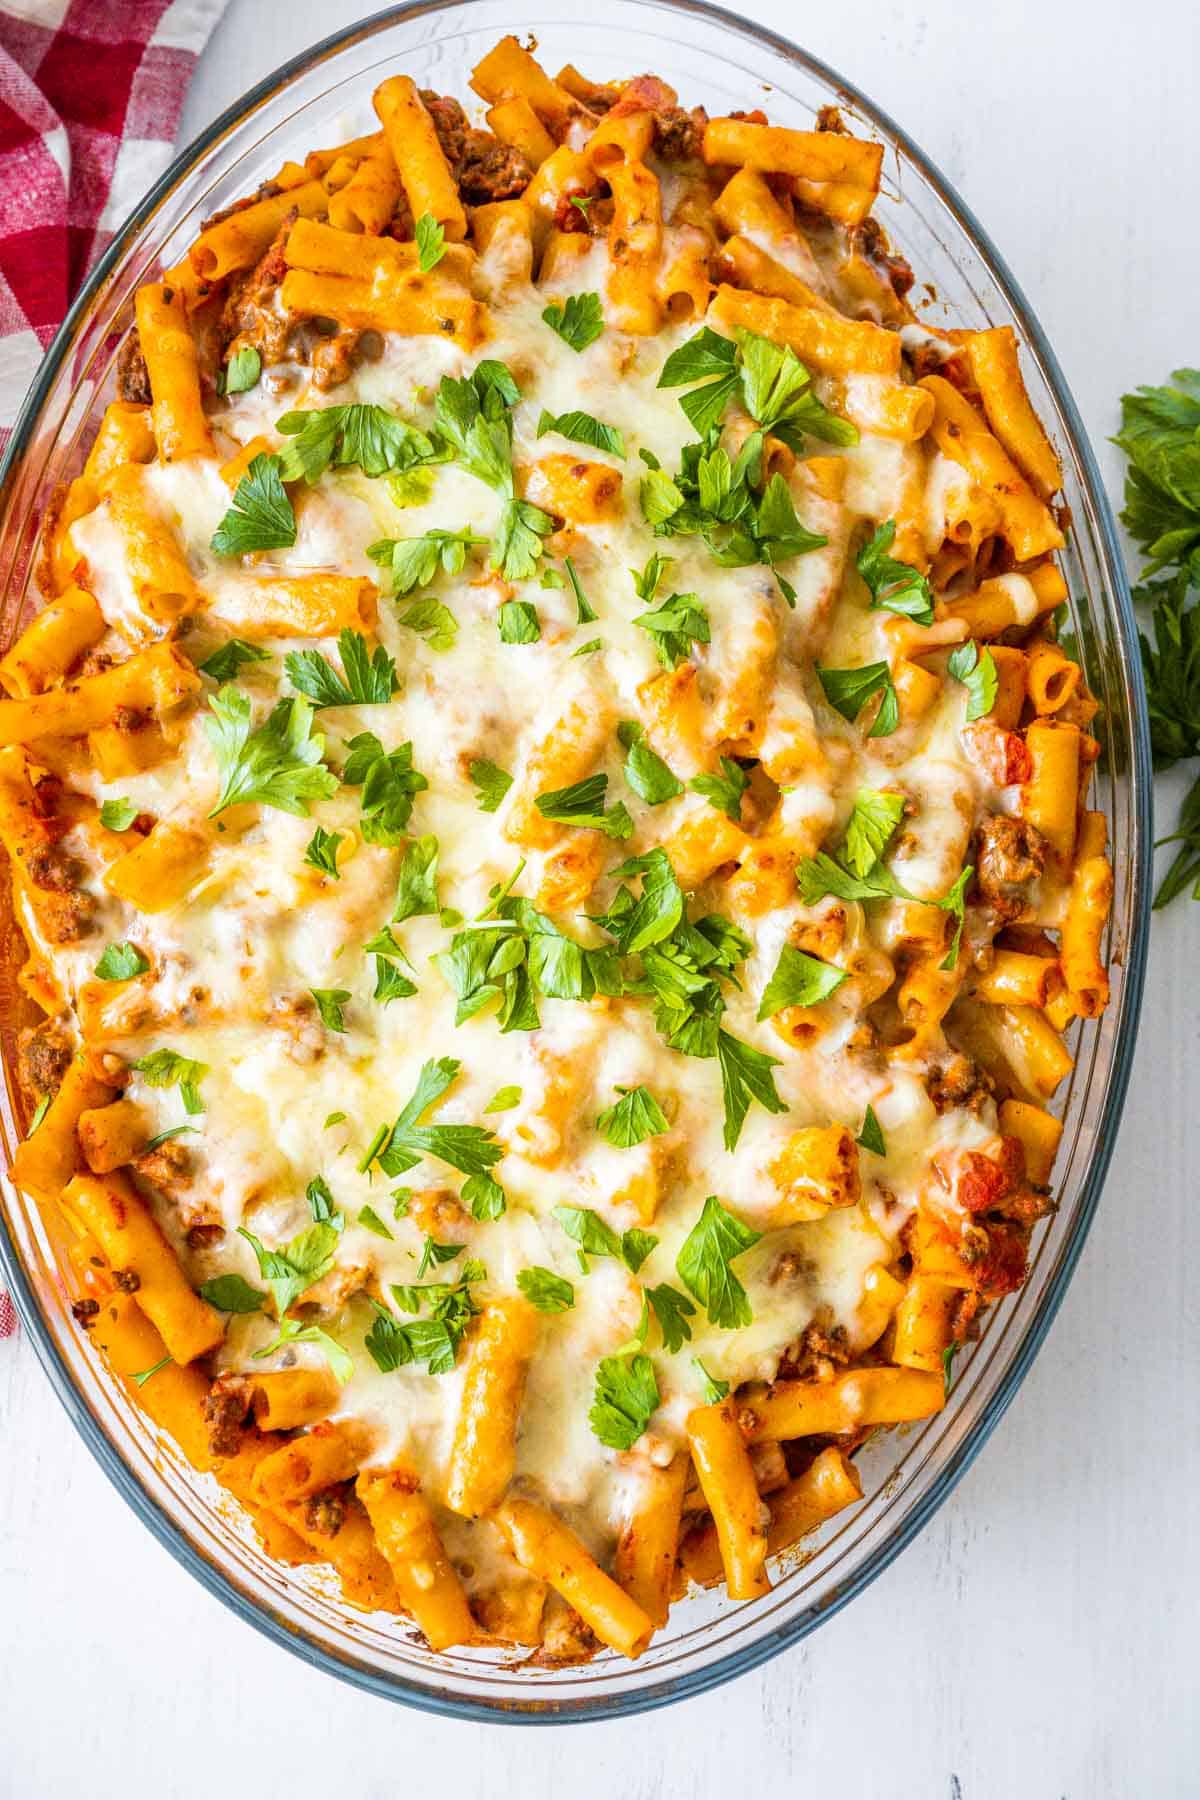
[(689, 1683)]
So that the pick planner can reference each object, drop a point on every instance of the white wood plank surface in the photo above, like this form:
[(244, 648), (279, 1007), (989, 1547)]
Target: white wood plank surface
[(1039, 1640)]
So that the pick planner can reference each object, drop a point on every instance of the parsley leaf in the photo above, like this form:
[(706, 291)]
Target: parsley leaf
[(503, 1100), (414, 562), (261, 516), (584, 615), (121, 962), (626, 1397), (392, 1346), (1171, 665), (518, 622), (224, 664), (895, 586), (232, 1294), (166, 1068), (714, 1389), (431, 242), (322, 1205), (518, 541), (391, 983), (371, 1221), (484, 1197), (302, 1262), (745, 1076), (870, 828), (241, 372), (491, 783), (330, 1002), (582, 428), (635, 1117), (672, 1310), (724, 791), (705, 1263), (578, 322), (799, 980), (675, 626), (582, 805), (849, 690), (322, 850), (416, 890), (278, 765), (118, 815), (871, 1135), (432, 620), (472, 1149), (388, 782), (1160, 435), (340, 436), (645, 771), (550, 1293), (368, 680), (976, 670), (596, 1237)]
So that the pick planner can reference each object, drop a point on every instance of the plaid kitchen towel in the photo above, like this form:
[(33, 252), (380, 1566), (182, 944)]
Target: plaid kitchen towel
[(90, 97)]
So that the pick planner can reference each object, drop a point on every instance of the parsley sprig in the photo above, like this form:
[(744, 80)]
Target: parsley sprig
[(279, 764)]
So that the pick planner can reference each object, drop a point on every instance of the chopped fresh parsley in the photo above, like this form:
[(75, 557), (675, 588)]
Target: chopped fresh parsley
[(745, 1076), (518, 622), (626, 1397), (322, 850), (261, 516), (849, 690), (431, 242), (503, 1100), (871, 1135), (278, 765), (39, 1113), (371, 1221), (484, 1198), (715, 1390), (672, 1310), (870, 828), (291, 1331), (118, 815), (491, 783), (775, 387), (976, 669), (370, 437), (121, 962), (578, 322), (232, 1294), (330, 1005), (166, 1068), (799, 980), (368, 680), (724, 791), (322, 1205), (416, 890), (821, 875), (584, 615), (414, 562), (645, 771), (596, 1237), (388, 782), (895, 586), (302, 1262), (474, 418), (635, 1117), (582, 805), (590, 648), (472, 1149), (948, 1356), (391, 983), (431, 619), (241, 372), (705, 1264), (550, 1293), (582, 428), (225, 664), (143, 1375), (675, 626)]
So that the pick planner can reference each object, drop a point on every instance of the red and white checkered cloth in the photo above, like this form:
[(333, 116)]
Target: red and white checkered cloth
[(90, 97)]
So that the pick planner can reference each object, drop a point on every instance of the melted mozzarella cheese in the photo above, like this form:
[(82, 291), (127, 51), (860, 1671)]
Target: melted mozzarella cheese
[(287, 1100)]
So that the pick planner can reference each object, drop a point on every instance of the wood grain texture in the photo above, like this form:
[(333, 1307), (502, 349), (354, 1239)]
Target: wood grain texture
[(1038, 1640)]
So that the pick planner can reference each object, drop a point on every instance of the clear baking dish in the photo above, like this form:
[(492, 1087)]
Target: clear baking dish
[(726, 63)]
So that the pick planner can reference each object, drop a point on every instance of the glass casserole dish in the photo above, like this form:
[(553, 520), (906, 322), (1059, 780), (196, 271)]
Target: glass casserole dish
[(716, 60)]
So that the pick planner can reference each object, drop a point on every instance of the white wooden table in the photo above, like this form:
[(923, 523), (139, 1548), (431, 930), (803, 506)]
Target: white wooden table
[(1039, 1640)]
